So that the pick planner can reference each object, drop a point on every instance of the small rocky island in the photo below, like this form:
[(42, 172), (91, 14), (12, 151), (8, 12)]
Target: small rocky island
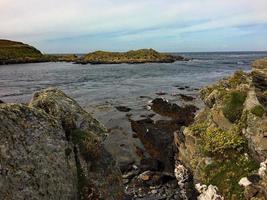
[(12, 52), (131, 57)]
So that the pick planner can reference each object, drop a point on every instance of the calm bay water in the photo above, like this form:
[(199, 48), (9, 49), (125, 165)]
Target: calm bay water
[(122, 84)]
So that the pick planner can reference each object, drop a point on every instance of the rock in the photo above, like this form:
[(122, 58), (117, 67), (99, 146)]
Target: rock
[(131, 57), (161, 93), (208, 193), (186, 97), (123, 108), (257, 189), (87, 134), (185, 181), (37, 161), (1, 101), (183, 115), (244, 182), (259, 79), (157, 138), (151, 164)]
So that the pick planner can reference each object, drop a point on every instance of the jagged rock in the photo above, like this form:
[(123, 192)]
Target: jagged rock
[(182, 115), (244, 182), (208, 192), (257, 189), (33, 159), (99, 175), (185, 181), (259, 79)]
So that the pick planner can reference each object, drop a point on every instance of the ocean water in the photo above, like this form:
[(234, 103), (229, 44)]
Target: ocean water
[(123, 83)]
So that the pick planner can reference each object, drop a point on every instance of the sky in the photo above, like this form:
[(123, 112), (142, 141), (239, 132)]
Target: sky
[(80, 26)]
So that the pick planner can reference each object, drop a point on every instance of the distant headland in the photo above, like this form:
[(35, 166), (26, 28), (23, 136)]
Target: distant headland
[(13, 52)]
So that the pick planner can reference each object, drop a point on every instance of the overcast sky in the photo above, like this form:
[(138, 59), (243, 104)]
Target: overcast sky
[(62, 26)]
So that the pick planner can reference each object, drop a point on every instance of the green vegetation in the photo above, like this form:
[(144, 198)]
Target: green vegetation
[(258, 110), (10, 50), (217, 141), (233, 105), (138, 56), (89, 143), (225, 174)]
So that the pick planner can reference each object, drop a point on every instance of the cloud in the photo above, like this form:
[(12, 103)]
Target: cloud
[(99, 22)]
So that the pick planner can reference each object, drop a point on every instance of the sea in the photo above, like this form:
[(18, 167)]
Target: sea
[(121, 83)]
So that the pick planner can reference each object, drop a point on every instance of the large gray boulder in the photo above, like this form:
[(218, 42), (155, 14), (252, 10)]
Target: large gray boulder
[(53, 149), (33, 163), (98, 174)]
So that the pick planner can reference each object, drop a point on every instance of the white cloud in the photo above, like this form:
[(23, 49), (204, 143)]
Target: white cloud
[(37, 20)]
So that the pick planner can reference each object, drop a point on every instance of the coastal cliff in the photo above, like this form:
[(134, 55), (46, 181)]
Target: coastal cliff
[(227, 139), (131, 57)]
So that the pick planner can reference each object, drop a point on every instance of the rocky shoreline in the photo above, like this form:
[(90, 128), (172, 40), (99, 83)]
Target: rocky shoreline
[(218, 152)]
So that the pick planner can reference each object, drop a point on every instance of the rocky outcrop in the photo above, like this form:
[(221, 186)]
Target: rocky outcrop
[(52, 149), (131, 57), (227, 139), (255, 185), (33, 160)]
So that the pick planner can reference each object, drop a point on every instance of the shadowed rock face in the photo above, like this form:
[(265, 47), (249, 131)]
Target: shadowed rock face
[(52, 149), (259, 78), (33, 163), (157, 136)]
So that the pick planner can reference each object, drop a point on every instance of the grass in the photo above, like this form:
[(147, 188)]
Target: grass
[(141, 55), (17, 50), (233, 105), (225, 174), (258, 110)]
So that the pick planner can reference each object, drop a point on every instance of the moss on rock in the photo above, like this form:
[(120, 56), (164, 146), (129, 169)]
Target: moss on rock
[(233, 105), (258, 110)]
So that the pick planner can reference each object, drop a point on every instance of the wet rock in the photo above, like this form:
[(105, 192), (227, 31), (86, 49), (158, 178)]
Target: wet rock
[(157, 138), (37, 161), (161, 93), (183, 115), (186, 97), (123, 108), (93, 161), (1, 101)]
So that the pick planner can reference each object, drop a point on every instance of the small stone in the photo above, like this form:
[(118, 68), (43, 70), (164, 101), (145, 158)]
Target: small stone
[(244, 182)]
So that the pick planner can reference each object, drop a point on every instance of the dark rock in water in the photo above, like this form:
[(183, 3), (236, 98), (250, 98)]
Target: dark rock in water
[(182, 115), (92, 159), (157, 138), (123, 108), (1, 101), (161, 93), (186, 97)]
